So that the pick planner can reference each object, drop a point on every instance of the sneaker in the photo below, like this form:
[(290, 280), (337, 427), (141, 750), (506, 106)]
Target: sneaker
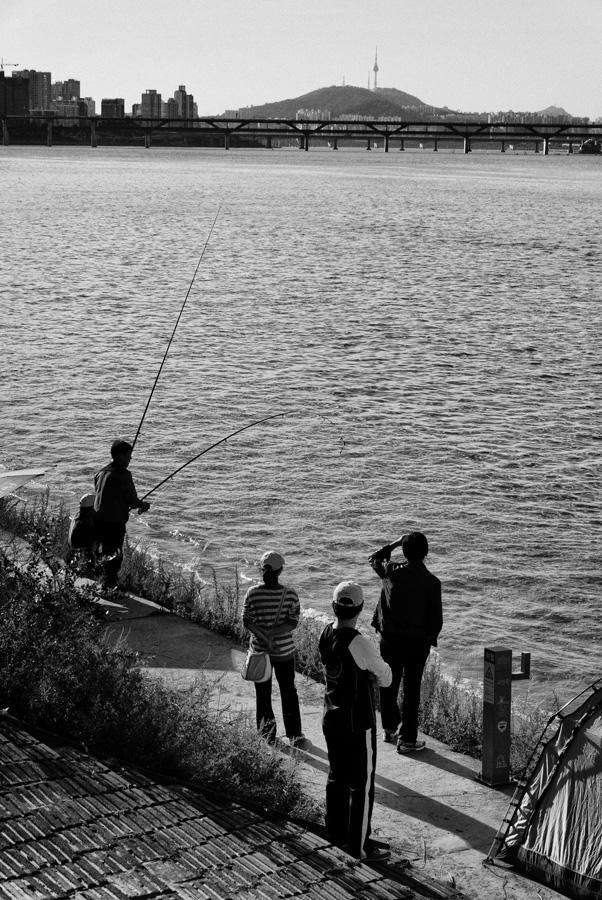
[(390, 737), (410, 746), (297, 740)]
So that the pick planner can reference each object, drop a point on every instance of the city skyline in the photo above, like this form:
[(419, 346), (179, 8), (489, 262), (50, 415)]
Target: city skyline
[(468, 56)]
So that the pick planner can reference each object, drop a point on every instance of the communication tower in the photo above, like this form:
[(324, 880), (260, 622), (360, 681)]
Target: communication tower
[(375, 69)]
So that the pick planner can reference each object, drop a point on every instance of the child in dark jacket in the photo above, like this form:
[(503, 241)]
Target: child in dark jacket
[(352, 664)]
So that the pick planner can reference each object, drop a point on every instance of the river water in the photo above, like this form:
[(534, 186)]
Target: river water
[(429, 324)]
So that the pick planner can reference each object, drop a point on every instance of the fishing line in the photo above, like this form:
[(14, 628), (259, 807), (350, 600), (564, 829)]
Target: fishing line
[(227, 438), (211, 447), (175, 327)]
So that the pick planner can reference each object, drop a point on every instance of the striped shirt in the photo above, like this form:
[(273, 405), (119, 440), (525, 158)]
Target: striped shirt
[(261, 606)]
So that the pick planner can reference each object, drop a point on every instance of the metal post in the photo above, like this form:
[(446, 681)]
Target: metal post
[(368, 147), (5, 140), (497, 706), (335, 144), (226, 141), (93, 134), (147, 139), (435, 148), (466, 145), (386, 143), (503, 146), (546, 146), (401, 147), (49, 133), (269, 143)]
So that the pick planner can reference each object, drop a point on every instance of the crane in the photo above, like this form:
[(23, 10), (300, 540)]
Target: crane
[(2, 64)]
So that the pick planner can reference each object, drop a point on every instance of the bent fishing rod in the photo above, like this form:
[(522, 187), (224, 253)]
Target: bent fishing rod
[(211, 447), (175, 327)]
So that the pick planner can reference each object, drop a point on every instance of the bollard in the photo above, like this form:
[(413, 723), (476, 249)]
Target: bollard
[(497, 704)]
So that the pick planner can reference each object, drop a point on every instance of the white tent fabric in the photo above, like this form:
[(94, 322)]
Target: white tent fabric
[(555, 830), (10, 481)]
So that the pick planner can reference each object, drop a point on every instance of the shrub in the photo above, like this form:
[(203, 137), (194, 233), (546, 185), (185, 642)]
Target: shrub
[(58, 672)]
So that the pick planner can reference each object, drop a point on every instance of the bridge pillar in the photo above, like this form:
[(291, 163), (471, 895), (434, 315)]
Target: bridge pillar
[(401, 147), (467, 147), (435, 148), (93, 134), (49, 133), (4, 133)]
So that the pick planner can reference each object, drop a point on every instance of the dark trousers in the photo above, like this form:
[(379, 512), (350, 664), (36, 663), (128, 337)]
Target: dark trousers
[(110, 536), (291, 714), (350, 786), (407, 658)]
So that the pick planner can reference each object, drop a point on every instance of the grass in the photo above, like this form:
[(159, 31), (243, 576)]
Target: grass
[(450, 711)]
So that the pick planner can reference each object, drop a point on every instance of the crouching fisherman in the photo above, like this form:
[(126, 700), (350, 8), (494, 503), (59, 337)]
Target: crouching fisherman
[(115, 497), (82, 531), (352, 664)]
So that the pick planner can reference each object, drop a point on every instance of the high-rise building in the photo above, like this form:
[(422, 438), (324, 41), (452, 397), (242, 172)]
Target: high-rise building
[(90, 106), (150, 108), (185, 103), (65, 90), (169, 110), (40, 89), (112, 108), (14, 95)]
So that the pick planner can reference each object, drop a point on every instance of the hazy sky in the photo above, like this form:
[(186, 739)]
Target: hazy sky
[(469, 55)]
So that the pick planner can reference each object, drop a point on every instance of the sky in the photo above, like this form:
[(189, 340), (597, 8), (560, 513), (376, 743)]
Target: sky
[(468, 55)]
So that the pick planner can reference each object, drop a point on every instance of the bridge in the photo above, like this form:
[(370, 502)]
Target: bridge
[(303, 133)]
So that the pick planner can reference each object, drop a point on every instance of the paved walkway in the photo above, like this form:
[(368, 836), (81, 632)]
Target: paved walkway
[(429, 806)]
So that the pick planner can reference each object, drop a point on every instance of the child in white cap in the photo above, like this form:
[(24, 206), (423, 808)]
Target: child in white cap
[(352, 665)]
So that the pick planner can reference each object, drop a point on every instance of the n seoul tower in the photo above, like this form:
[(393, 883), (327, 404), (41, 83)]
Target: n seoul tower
[(375, 69)]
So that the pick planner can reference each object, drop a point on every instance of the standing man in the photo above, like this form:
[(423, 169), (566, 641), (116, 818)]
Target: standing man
[(115, 497), (352, 664), (408, 618)]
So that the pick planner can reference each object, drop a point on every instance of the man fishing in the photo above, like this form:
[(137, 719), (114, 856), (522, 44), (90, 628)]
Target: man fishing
[(115, 497)]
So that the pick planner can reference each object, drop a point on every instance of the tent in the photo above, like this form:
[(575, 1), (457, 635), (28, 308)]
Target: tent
[(10, 481), (553, 828)]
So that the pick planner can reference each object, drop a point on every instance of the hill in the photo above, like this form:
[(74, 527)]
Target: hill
[(348, 101), (552, 111)]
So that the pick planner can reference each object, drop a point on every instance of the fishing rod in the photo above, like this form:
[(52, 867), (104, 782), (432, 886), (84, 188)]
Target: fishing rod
[(175, 327), (211, 447)]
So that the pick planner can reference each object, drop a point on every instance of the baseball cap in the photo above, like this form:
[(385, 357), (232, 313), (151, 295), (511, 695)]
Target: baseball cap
[(349, 594), (271, 560), (86, 500)]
